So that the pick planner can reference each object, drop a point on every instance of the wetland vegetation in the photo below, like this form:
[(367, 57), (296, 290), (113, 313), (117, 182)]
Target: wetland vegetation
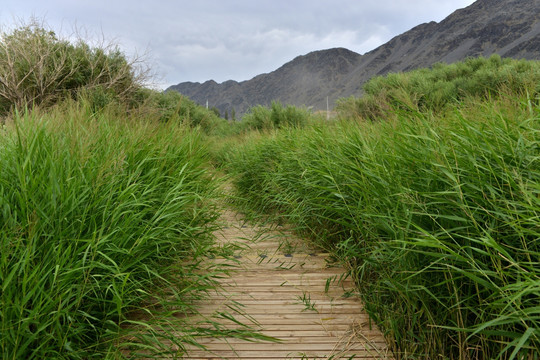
[(427, 187)]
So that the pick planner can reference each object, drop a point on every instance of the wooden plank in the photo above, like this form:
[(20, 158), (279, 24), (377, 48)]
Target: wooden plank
[(317, 347), (252, 254), (291, 357), (256, 272), (301, 310), (262, 295), (277, 281), (319, 332), (285, 291), (285, 341), (288, 354), (249, 274), (297, 320), (298, 357), (254, 263), (313, 306), (281, 302), (297, 327)]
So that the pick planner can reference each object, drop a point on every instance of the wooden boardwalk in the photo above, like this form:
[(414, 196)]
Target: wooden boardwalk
[(292, 294)]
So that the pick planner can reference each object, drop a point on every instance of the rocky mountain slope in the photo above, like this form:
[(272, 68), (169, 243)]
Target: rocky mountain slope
[(510, 28)]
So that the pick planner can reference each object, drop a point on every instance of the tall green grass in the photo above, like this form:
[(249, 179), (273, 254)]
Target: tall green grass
[(274, 117), (438, 217), (442, 86), (96, 215)]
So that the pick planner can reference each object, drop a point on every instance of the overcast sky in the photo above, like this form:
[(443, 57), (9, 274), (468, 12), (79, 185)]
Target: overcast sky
[(198, 40)]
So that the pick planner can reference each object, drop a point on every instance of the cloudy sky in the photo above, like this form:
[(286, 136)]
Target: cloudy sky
[(198, 40)]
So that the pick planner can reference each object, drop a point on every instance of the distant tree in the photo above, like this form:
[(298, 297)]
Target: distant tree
[(226, 115), (233, 115)]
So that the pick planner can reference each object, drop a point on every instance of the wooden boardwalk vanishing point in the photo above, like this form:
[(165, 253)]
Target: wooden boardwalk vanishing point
[(291, 294)]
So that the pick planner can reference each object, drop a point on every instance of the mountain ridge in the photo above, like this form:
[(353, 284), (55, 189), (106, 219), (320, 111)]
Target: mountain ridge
[(510, 28)]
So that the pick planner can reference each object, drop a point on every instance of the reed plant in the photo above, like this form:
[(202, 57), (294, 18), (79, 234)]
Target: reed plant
[(437, 216), (276, 116), (97, 215), (442, 86)]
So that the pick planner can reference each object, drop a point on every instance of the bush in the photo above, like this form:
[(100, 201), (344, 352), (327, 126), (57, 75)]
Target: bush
[(38, 68), (173, 107)]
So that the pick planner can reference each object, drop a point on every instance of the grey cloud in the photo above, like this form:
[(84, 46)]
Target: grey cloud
[(234, 39)]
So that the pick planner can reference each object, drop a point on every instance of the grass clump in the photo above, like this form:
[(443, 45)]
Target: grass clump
[(96, 214), (276, 116), (437, 216), (441, 86)]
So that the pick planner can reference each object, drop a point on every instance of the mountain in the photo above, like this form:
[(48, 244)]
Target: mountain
[(306, 80), (510, 28)]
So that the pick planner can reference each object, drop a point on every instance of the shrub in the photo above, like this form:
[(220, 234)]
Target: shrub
[(171, 106), (38, 68)]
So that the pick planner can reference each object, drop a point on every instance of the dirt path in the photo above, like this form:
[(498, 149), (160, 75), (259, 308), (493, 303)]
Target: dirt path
[(290, 293)]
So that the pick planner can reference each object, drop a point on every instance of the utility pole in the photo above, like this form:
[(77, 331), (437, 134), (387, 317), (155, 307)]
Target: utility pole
[(206, 104), (327, 109)]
